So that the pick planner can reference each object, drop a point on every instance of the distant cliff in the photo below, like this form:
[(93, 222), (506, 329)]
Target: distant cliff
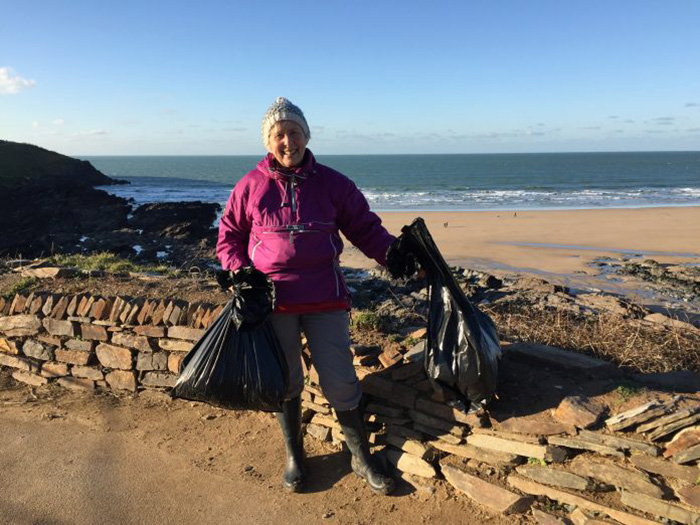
[(28, 165), (49, 201), (50, 205)]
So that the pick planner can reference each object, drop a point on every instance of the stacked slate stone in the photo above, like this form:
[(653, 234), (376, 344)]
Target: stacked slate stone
[(86, 341), (648, 455), (522, 463)]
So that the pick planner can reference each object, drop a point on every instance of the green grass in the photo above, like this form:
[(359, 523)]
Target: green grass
[(107, 262), (628, 390), (366, 321), (24, 285), (536, 462)]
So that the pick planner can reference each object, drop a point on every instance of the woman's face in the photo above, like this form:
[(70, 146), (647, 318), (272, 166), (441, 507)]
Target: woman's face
[(287, 143)]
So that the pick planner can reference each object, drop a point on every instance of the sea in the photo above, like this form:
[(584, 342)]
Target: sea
[(469, 182)]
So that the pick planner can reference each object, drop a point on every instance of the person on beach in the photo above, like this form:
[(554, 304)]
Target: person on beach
[(284, 218)]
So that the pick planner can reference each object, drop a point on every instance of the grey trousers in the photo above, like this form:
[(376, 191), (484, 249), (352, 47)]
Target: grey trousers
[(328, 335)]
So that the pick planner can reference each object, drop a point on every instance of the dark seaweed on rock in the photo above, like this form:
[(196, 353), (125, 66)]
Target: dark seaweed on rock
[(463, 350)]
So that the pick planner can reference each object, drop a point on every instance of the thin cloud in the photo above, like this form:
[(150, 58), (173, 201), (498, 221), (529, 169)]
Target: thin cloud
[(664, 121), (693, 130), (94, 133), (692, 105), (613, 116), (58, 122), (11, 85), (35, 124)]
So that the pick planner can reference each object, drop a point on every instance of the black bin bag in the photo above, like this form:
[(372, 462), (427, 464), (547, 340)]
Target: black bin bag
[(462, 352), (238, 362)]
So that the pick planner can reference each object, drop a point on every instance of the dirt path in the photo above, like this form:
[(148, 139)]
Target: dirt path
[(69, 458)]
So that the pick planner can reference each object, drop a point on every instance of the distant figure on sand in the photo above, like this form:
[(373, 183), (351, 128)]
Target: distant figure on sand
[(285, 217), (445, 224)]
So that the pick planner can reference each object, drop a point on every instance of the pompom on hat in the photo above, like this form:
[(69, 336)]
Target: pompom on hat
[(283, 109)]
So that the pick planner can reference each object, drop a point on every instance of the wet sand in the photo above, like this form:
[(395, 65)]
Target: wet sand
[(554, 243)]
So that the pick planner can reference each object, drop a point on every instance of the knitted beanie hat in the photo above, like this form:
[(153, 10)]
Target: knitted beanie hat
[(282, 109)]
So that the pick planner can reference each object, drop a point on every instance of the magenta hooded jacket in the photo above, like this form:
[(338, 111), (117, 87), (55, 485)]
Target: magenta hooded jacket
[(286, 223)]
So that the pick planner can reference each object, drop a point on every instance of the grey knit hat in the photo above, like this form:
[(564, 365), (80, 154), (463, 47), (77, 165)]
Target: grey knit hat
[(283, 109)]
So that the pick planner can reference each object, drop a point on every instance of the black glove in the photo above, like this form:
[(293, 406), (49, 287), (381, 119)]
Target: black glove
[(400, 259), (253, 299)]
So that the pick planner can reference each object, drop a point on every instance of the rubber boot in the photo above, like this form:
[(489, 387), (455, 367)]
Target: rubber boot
[(362, 462), (294, 477)]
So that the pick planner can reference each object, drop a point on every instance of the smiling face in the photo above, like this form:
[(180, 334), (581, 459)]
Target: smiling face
[(287, 142)]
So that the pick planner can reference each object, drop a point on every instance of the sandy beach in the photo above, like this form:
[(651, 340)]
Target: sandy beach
[(555, 243)]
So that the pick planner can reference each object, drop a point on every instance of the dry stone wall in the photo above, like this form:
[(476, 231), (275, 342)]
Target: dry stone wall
[(86, 341)]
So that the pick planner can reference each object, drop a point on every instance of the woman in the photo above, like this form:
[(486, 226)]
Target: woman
[(284, 217)]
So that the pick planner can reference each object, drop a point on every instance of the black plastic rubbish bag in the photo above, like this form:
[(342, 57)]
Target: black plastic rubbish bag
[(238, 362), (462, 349)]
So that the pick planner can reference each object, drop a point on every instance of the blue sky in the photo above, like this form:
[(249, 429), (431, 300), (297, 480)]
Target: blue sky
[(177, 77)]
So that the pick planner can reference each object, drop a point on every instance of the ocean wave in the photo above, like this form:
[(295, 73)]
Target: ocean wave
[(144, 190)]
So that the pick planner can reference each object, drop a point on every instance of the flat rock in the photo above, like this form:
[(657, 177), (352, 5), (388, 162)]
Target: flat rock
[(665, 468), (670, 428), (679, 381), (529, 450), (29, 378), (538, 428), (685, 439), (619, 477), (542, 518), (410, 464), (657, 507), (564, 359), (111, 356), (9, 346), (578, 411), (491, 457), (620, 443), (579, 443), (556, 478), (410, 446), (687, 455), (690, 495), (639, 414), (536, 489), (121, 380), (491, 496)]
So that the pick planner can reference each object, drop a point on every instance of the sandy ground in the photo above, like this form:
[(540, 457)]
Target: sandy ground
[(71, 458), (556, 242)]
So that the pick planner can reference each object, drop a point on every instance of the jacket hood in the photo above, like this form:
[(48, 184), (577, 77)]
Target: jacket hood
[(272, 169)]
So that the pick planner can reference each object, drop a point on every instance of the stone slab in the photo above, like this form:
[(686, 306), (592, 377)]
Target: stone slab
[(670, 428), (565, 359), (546, 452), (158, 379), (686, 438), (29, 378), (54, 370), (138, 342), (554, 477), (536, 489), (56, 327), (37, 350), (175, 345), (87, 372), (410, 464), (121, 380), (491, 496), (687, 455), (578, 411), (520, 425), (413, 447), (9, 346), (93, 332), (617, 476), (76, 357), (578, 443), (76, 383), (183, 332), (491, 457), (657, 507), (111, 356), (690, 496), (665, 468), (620, 443), (21, 363), (638, 415)]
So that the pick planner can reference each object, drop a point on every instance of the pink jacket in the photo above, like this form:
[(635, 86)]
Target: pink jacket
[(286, 224)]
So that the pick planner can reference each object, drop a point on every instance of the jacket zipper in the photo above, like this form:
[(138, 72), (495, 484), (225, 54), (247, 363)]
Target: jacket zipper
[(335, 267), (252, 253)]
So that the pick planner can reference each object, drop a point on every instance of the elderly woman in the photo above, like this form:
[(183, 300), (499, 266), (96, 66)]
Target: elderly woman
[(284, 218)]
